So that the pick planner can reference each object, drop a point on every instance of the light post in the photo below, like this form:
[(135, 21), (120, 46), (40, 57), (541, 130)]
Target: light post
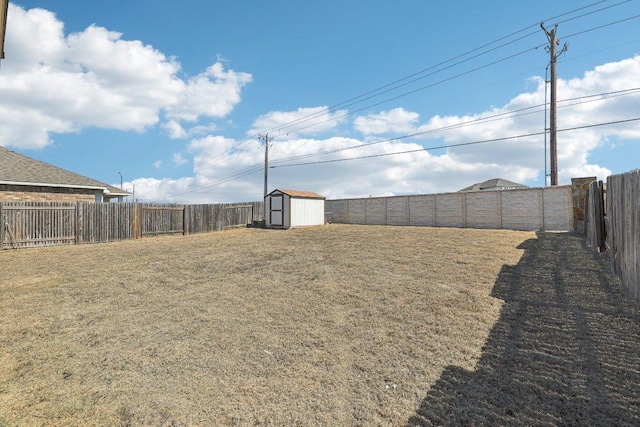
[(120, 180)]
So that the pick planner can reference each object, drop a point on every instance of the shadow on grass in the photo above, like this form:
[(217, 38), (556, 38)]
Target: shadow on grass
[(565, 350)]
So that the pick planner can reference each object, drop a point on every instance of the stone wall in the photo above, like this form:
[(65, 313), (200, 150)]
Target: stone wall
[(547, 208)]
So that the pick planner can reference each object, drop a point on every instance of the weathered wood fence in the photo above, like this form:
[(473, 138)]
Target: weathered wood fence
[(529, 209), (613, 225), (30, 224)]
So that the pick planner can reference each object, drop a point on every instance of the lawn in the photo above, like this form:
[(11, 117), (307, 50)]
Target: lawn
[(330, 325)]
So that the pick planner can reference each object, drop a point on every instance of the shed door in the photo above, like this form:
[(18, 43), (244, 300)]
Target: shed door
[(275, 210)]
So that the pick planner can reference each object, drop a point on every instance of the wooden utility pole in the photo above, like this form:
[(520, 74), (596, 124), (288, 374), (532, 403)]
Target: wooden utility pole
[(553, 144), (266, 140)]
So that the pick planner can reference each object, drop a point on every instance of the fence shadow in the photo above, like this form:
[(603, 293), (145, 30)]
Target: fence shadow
[(565, 350)]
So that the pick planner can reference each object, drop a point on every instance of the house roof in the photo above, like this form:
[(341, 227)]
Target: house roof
[(492, 184), (300, 194), (18, 169)]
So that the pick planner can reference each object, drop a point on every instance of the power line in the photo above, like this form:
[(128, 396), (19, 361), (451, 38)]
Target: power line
[(412, 77), (603, 26), (411, 92), (457, 145), (592, 12), (509, 114), (481, 120), (250, 142), (240, 174)]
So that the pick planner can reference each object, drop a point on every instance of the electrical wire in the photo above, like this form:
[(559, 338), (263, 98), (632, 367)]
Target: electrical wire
[(458, 145), (249, 143), (510, 114), (592, 12), (481, 120), (396, 84), (388, 88), (602, 26)]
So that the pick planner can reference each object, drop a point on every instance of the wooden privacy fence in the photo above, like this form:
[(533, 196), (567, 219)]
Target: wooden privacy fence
[(623, 232), (595, 229), (29, 224), (529, 209), (36, 224), (613, 225)]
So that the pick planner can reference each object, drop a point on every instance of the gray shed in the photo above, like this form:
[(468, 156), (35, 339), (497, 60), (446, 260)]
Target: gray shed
[(291, 208)]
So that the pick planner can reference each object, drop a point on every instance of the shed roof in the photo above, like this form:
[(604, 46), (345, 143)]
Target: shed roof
[(300, 194), (18, 169)]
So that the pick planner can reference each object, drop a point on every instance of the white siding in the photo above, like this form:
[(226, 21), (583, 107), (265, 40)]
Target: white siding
[(305, 212)]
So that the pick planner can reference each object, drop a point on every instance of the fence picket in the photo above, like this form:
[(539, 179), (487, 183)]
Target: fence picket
[(48, 223)]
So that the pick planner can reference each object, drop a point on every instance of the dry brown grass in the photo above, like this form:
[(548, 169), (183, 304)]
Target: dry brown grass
[(332, 325)]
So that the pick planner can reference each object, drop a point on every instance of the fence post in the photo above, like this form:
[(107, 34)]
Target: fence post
[(435, 210), (2, 227), (137, 220), (184, 220), (464, 210), (499, 202), (79, 223)]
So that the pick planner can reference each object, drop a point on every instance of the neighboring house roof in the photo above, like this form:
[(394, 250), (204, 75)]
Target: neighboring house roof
[(300, 194), (494, 184), (18, 169)]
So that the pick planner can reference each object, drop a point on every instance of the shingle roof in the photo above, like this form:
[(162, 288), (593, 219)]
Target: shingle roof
[(493, 183), (302, 194), (19, 169)]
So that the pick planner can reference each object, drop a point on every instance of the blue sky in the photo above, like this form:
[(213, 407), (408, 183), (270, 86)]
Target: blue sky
[(172, 96)]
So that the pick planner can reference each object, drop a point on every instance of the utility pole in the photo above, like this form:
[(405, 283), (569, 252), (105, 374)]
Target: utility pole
[(266, 140), (553, 144)]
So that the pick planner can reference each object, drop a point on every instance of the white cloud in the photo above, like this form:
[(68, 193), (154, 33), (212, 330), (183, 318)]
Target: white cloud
[(52, 83), (303, 121), (217, 158), (397, 120), (174, 129), (179, 160), (213, 93), (94, 78)]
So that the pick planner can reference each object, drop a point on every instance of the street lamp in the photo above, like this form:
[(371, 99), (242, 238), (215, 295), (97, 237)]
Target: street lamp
[(120, 180)]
